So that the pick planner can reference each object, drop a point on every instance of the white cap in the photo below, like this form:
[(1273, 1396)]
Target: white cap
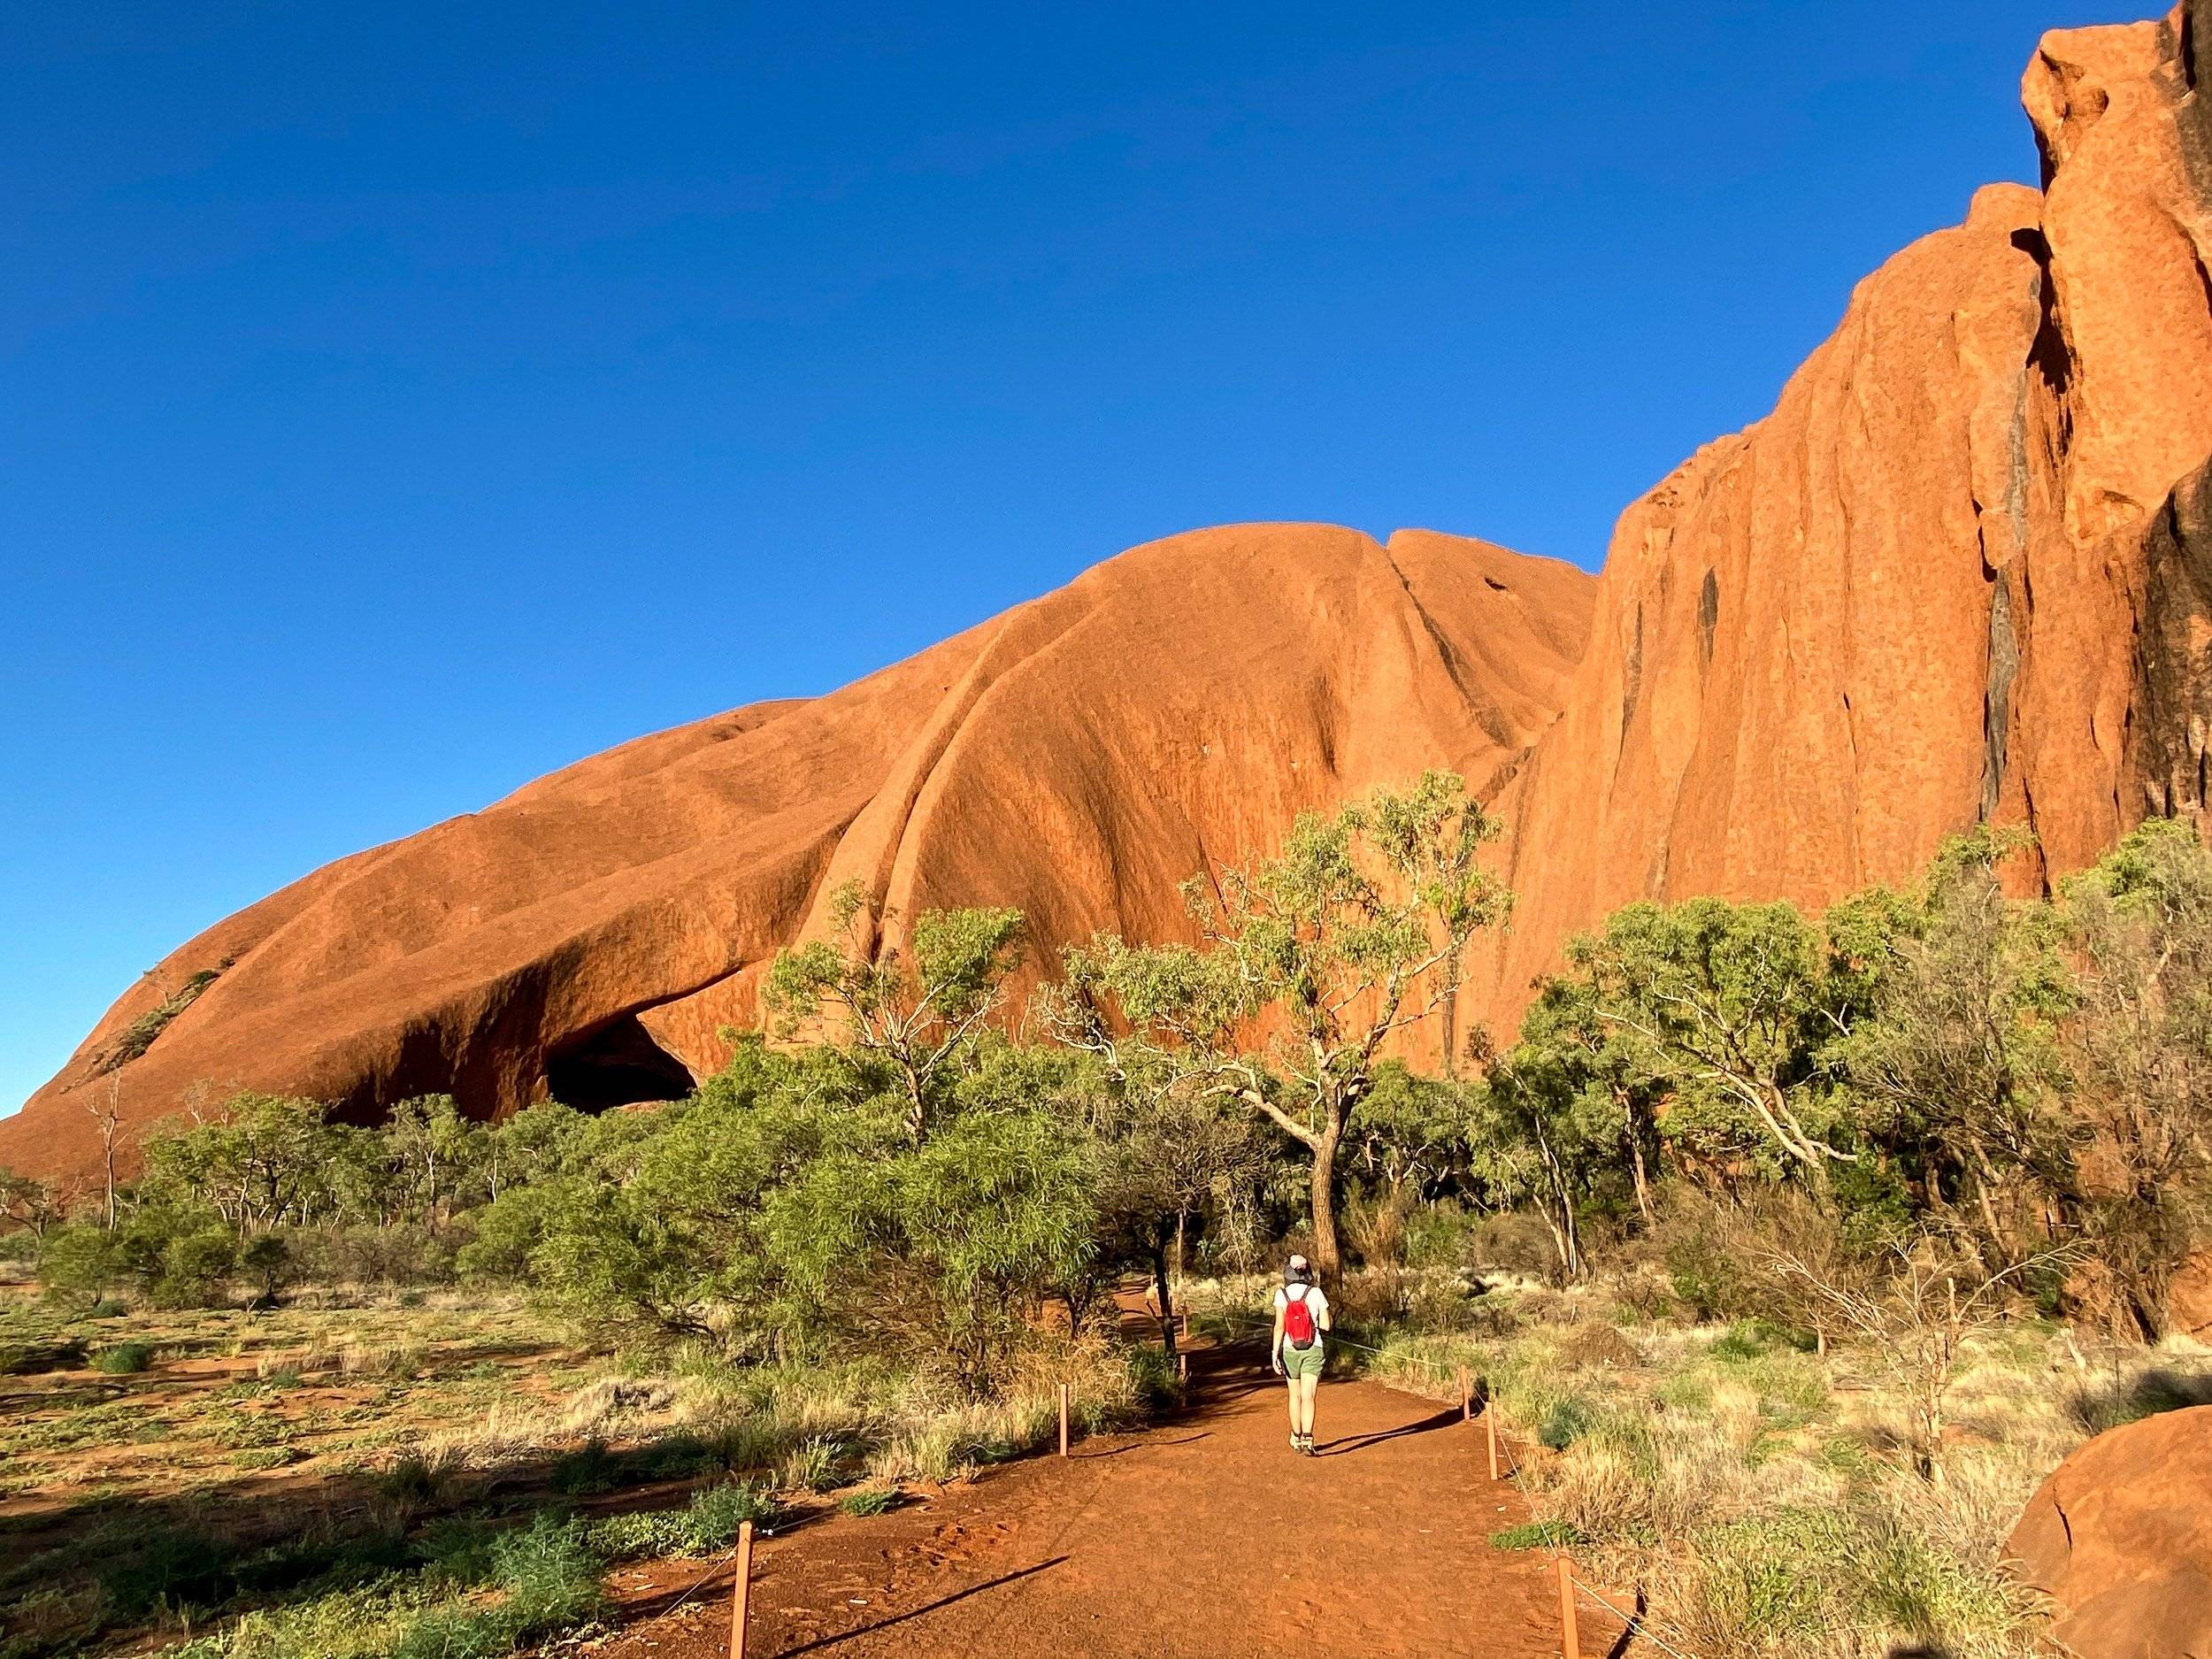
[(1299, 1262)]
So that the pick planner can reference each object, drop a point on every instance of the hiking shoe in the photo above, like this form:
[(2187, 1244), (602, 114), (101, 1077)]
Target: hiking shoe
[(1297, 1442), (1305, 1444)]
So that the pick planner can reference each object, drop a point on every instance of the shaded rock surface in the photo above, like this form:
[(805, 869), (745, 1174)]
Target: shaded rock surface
[(2120, 1537), (1963, 571)]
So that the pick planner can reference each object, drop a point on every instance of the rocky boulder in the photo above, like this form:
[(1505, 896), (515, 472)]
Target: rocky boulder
[(2120, 1537)]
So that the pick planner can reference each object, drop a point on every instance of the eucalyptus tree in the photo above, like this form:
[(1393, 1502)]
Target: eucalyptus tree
[(918, 1010), (1308, 963)]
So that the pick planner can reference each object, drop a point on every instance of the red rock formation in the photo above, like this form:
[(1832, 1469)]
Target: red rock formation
[(1079, 758), (2120, 1537), (1963, 571)]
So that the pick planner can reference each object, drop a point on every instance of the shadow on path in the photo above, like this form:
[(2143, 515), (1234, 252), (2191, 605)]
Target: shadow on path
[(821, 1642), (1139, 1446), (1360, 1442)]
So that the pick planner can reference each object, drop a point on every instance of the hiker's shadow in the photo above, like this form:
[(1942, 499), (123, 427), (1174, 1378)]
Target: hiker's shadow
[(1360, 1442)]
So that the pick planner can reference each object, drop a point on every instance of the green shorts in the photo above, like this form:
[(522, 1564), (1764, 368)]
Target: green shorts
[(1304, 1362)]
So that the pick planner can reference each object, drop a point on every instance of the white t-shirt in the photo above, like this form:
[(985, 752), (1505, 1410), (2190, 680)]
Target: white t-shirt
[(1312, 1295)]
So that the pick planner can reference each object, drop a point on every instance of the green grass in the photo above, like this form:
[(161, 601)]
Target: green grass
[(590, 1470), (870, 1501), (812, 1466), (708, 1523), (261, 1457), (1538, 1535)]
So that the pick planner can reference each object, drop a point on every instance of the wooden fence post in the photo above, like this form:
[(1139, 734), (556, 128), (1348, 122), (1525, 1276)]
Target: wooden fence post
[(1064, 1419), (1570, 1638), (1490, 1433), (741, 1591), (1466, 1396)]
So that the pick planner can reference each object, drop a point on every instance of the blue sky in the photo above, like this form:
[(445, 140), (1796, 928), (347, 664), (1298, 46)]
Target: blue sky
[(399, 401)]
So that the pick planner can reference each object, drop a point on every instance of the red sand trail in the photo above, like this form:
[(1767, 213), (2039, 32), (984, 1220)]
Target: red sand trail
[(1204, 1536)]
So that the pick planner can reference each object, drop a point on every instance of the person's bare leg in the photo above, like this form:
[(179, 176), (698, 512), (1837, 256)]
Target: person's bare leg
[(1306, 1386), (1291, 1385)]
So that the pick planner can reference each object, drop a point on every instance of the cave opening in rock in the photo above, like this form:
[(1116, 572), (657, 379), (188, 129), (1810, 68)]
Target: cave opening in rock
[(619, 1064)]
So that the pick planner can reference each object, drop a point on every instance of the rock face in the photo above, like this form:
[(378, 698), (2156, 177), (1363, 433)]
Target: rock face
[(1963, 571), (1079, 758), (2120, 1537)]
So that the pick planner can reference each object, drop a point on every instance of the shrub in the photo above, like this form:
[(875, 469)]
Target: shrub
[(1152, 1377), (2162, 1389), (401, 1256), (1567, 1420), (1740, 1342), (875, 1499), (80, 1260), (1706, 1279), (590, 1469), (550, 1578), (416, 1479), (810, 1467), (124, 1358), (715, 1513)]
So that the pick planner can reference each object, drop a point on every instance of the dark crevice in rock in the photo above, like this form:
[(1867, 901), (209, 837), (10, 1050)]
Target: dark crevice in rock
[(1633, 669), (2048, 355), (2170, 727), (2004, 664), (2192, 111), (619, 1064), (1707, 615)]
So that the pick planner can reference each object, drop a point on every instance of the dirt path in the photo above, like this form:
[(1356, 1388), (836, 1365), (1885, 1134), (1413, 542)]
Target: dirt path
[(1205, 1536)]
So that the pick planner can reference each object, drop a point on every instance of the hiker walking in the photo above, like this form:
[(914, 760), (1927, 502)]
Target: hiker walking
[(1301, 1316)]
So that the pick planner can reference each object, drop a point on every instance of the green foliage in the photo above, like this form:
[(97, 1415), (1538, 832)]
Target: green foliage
[(267, 1261), (27, 1207), (139, 1036), (547, 1578), (81, 1261), (1728, 1009), (870, 1501), (1538, 1535), (590, 1469), (1567, 1420), (1355, 930), (124, 1358), (917, 1012)]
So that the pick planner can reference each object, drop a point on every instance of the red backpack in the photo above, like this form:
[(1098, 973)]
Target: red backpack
[(1297, 1317)]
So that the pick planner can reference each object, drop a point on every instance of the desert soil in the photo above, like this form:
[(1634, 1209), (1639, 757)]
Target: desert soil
[(1204, 1536)]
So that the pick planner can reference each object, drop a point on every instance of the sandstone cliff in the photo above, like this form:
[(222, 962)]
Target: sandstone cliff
[(1963, 571)]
